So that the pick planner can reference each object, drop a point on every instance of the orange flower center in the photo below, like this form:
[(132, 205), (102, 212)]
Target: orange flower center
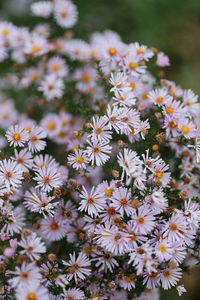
[(16, 137)]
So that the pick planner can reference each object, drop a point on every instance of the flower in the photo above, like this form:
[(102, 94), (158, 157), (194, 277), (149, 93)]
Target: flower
[(143, 220), (74, 293), (78, 267), (97, 152), (93, 202), (169, 277), (32, 292), (112, 239), (42, 8), (162, 60), (24, 159), (100, 130), (36, 143), (48, 178), (10, 174), (78, 160), (33, 246), (121, 201), (65, 13), (17, 135), (25, 275), (52, 87), (53, 230), (38, 201)]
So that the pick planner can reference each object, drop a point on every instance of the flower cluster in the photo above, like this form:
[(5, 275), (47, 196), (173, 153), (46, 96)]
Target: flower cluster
[(99, 169)]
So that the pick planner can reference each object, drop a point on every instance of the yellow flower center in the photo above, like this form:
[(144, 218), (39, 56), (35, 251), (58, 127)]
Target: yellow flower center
[(86, 77), (162, 248), (79, 160), (185, 129), (172, 125), (51, 126), (128, 279), (159, 99), (112, 51), (144, 96), (169, 110), (108, 192), (35, 77), (31, 296), (55, 67), (5, 32), (88, 249), (132, 65), (132, 130), (155, 147), (35, 48), (140, 51), (16, 137), (158, 174), (132, 85)]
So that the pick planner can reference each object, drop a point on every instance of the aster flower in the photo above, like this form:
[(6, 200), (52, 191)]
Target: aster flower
[(100, 130), (106, 262), (10, 173), (33, 291), (121, 201), (169, 277), (56, 65), (53, 230), (38, 201), (42, 8), (25, 275), (163, 250), (97, 152), (32, 245), (78, 267), (74, 293), (65, 13), (15, 220), (143, 220), (175, 228), (36, 143), (52, 87), (78, 160), (112, 239), (48, 178), (159, 96), (24, 159), (36, 45), (93, 202), (17, 135)]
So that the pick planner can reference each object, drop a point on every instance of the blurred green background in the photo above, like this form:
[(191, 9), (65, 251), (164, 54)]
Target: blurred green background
[(172, 26)]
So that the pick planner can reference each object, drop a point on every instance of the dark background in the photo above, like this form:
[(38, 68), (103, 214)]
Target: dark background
[(172, 26)]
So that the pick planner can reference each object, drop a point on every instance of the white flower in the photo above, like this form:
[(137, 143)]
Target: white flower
[(36, 143), (98, 152), (38, 201), (32, 292), (17, 135), (78, 267), (52, 87), (33, 246), (25, 275), (10, 174), (42, 8), (48, 178), (93, 202), (100, 130), (65, 13)]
